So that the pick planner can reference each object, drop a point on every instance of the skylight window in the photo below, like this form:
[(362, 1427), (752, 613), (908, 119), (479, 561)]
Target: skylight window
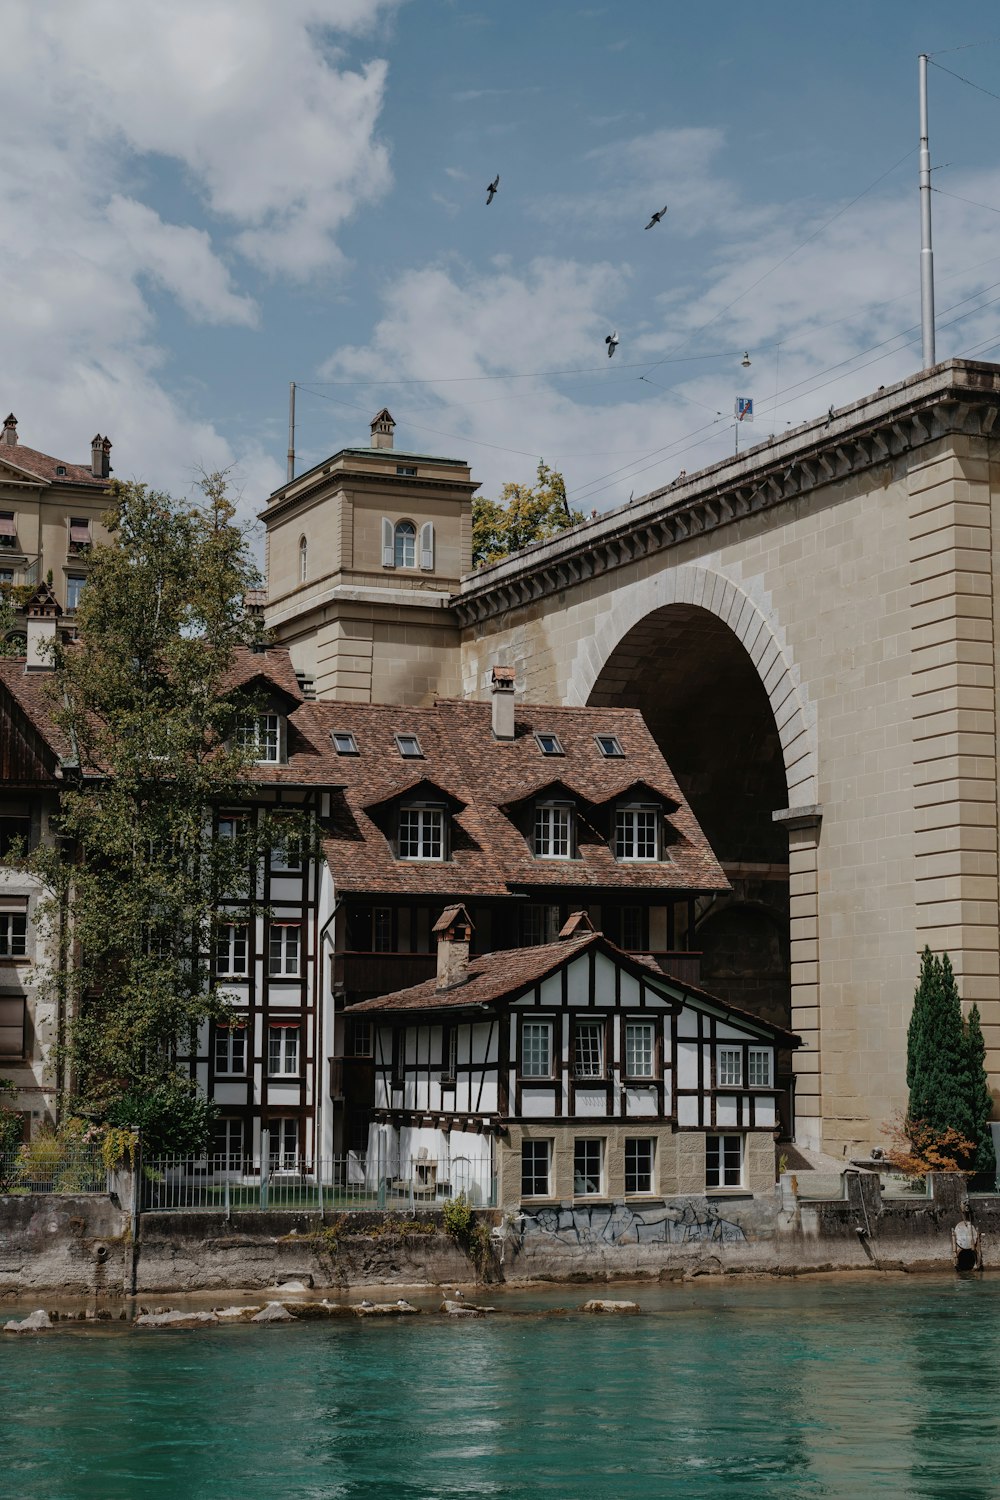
[(549, 744), (408, 746), (609, 745), (344, 743)]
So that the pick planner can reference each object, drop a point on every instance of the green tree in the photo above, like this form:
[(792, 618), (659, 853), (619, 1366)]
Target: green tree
[(945, 1069), (143, 697), (524, 513), (980, 1098)]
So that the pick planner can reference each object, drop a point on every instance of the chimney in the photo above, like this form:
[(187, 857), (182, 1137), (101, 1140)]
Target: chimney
[(502, 690), (382, 427), (43, 611), (10, 431), (97, 456), (106, 458), (453, 930)]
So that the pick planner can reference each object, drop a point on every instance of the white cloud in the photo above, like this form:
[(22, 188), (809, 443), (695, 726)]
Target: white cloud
[(181, 260), (273, 132)]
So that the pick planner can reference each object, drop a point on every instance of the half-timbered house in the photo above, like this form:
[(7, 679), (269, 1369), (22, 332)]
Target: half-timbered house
[(572, 1072)]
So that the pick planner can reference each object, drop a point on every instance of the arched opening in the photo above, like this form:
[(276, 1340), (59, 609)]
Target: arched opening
[(303, 559), (405, 545), (703, 699)]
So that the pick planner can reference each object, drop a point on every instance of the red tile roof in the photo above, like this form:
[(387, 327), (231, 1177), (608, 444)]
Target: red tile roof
[(43, 466), (500, 977)]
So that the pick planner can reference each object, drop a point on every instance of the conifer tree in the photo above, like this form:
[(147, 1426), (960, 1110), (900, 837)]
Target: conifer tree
[(937, 1052), (980, 1098)]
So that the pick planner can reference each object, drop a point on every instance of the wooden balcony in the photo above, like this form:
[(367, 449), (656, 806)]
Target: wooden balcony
[(684, 967), (363, 975)]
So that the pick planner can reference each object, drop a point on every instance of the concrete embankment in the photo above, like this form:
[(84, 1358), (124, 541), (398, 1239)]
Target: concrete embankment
[(88, 1245)]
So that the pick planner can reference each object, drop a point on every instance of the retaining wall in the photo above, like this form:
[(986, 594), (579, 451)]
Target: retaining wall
[(83, 1245)]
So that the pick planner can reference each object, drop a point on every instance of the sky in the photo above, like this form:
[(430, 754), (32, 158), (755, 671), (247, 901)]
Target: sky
[(208, 199)]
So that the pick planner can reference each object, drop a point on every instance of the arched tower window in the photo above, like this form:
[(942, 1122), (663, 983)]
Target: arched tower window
[(405, 548), (303, 559)]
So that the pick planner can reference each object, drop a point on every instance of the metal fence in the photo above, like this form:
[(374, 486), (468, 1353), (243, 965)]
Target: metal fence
[(47, 1165), (230, 1184)]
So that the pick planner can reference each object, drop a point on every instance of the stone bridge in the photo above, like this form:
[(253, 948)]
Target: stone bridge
[(810, 632)]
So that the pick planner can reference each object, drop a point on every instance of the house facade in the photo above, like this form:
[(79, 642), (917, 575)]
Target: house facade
[(50, 515), (569, 1074), (523, 816)]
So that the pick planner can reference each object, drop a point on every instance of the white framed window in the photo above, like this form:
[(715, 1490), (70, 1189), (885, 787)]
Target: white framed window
[(261, 738), (536, 1169), (759, 1067), (232, 825), (287, 853), (588, 1167), (13, 934), (282, 1050), (553, 829), (6, 578), (303, 559), (639, 1045), (382, 930), (227, 1144), (284, 1143), (640, 1162), (407, 471), (8, 530), (284, 946), (404, 552), (588, 1049), (635, 833), (421, 833), (232, 949), (536, 1049), (729, 1067), (344, 743), (723, 1161), (408, 746), (231, 1050), (75, 585), (609, 746)]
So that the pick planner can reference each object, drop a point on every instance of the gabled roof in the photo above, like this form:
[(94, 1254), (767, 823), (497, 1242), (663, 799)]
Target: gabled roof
[(489, 777), (35, 465), (500, 978)]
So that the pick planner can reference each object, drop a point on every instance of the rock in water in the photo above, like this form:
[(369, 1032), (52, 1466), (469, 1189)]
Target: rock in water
[(600, 1305), (31, 1324), (464, 1309), (274, 1312), (175, 1319)]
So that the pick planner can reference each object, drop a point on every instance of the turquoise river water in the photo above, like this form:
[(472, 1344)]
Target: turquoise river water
[(858, 1387)]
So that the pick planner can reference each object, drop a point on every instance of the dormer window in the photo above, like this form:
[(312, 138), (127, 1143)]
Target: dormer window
[(344, 743), (421, 833), (637, 834), (549, 744), (262, 738), (79, 535), (553, 831), (609, 746), (409, 746)]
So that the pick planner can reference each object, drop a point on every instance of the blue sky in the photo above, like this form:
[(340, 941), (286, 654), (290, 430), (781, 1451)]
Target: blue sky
[(206, 199)]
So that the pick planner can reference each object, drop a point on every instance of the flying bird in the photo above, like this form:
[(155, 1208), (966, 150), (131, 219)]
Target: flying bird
[(612, 342), (491, 191), (657, 217)]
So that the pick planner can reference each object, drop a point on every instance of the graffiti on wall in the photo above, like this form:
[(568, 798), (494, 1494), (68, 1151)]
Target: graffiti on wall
[(683, 1223)]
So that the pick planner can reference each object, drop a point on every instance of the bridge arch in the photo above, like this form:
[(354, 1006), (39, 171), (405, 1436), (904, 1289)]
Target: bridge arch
[(706, 664), (627, 634)]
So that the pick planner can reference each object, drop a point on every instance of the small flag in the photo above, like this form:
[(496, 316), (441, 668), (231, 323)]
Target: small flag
[(744, 408)]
